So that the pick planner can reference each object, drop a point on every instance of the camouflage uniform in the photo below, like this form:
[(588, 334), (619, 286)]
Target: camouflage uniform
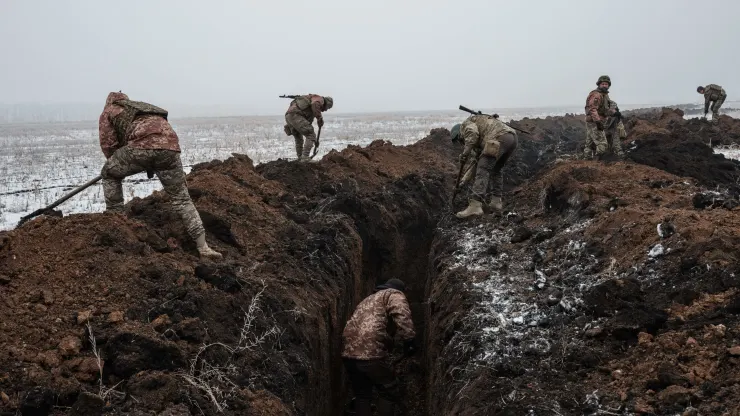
[(299, 117), (597, 111), (716, 94), (614, 130), (367, 343), (136, 137), (494, 142)]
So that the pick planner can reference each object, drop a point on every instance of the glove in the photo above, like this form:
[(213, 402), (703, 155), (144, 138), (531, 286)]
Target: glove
[(149, 174), (408, 347), (320, 122), (600, 124), (617, 114), (495, 116), (463, 157)]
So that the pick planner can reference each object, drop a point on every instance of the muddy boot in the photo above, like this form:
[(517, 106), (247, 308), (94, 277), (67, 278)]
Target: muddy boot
[(475, 207), (496, 204), (206, 251)]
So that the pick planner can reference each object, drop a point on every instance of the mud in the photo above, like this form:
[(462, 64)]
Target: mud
[(604, 287)]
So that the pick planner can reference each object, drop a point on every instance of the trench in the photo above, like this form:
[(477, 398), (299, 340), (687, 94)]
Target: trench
[(396, 253)]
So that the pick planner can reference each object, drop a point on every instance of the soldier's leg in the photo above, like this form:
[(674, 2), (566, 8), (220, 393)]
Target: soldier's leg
[(305, 128), (599, 139), (170, 173), (362, 387), (483, 175), (385, 381), (617, 136), (509, 144), (715, 108), (121, 164), (588, 153), (297, 122)]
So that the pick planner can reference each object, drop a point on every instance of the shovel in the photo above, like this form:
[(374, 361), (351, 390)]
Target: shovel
[(59, 201), (316, 146)]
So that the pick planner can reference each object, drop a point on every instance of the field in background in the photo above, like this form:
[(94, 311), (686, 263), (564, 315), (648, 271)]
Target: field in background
[(42, 162)]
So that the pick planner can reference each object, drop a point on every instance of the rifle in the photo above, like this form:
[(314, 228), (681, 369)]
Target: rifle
[(292, 97), (59, 201), (316, 146), (479, 113)]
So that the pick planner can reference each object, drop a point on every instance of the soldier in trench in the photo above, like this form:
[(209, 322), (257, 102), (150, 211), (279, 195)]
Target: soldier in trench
[(136, 137), (615, 131), (492, 142), (301, 112), (368, 341)]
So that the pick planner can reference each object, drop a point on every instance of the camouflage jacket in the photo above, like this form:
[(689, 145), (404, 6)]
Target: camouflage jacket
[(597, 106), (144, 132), (482, 132), (369, 332), (309, 106), (713, 92)]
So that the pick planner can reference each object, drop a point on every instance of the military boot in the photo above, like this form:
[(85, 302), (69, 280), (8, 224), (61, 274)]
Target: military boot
[(206, 251), (475, 207), (496, 204)]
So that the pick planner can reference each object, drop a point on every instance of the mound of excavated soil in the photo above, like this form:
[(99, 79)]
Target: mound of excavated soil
[(606, 288)]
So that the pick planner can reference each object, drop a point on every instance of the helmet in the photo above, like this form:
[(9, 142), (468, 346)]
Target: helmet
[(328, 102), (699, 89), (604, 78), (455, 132)]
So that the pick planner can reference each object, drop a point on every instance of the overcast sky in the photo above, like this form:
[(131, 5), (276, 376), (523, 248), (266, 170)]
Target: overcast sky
[(369, 55)]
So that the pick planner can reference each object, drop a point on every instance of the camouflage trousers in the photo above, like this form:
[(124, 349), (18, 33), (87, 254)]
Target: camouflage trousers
[(369, 375), (595, 138), (488, 179), (614, 136), (716, 106), (128, 161), (300, 128)]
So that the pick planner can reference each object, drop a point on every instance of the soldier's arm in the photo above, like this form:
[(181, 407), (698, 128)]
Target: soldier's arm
[(471, 135), (317, 102), (398, 309), (108, 139), (707, 101), (593, 103)]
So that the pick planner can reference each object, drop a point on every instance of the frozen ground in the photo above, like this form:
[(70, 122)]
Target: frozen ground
[(41, 162)]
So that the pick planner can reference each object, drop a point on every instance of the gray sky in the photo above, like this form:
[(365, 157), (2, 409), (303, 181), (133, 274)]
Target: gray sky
[(379, 55)]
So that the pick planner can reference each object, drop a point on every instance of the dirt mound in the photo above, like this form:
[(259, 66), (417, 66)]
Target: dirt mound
[(254, 334), (600, 290)]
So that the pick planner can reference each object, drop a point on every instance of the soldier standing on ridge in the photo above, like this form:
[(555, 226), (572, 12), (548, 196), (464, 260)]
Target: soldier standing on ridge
[(367, 342), (713, 93), (615, 131), (597, 111), (494, 142), (303, 109), (136, 137)]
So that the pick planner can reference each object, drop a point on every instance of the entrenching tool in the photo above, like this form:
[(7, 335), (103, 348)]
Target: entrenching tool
[(60, 200), (316, 146), (466, 109), (457, 185)]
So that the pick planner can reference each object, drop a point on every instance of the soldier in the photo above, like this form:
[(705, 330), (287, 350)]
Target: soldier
[(712, 93), (368, 341), (299, 117), (136, 137), (615, 131), (597, 111), (493, 143)]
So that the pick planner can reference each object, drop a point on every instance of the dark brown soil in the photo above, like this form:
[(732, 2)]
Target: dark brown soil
[(555, 307)]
